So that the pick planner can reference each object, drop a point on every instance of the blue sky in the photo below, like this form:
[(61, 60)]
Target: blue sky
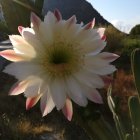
[(124, 14)]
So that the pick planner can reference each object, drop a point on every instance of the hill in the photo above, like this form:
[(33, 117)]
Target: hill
[(81, 8)]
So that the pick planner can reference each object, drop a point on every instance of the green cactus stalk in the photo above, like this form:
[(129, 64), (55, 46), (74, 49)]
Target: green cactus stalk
[(128, 137), (134, 109), (118, 124), (135, 64)]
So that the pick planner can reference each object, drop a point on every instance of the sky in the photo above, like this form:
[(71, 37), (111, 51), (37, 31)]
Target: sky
[(123, 14)]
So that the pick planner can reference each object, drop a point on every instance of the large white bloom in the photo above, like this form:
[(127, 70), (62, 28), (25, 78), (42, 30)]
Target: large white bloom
[(57, 61)]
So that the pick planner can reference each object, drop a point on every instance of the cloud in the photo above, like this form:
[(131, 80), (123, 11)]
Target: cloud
[(125, 25)]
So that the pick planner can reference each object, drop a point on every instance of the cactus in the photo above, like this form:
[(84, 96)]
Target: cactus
[(135, 64), (134, 108), (112, 107), (133, 103)]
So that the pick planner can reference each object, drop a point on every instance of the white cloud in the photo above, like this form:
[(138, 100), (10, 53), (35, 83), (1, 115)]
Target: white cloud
[(126, 25)]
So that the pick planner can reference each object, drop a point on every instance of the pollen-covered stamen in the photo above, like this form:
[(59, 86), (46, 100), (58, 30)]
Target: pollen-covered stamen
[(61, 59), (59, 56)]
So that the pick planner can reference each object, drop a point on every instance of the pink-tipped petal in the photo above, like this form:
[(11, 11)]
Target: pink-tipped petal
[(11, 55), (35, 21), (57, 14), (107, 80), (72, 20), (90, 25), (18, 88), (94, 96), (20, 29), (101, 32), (110, 57), (48, 108), (30, 102), (68, 109), (103, 38), (46, 104)]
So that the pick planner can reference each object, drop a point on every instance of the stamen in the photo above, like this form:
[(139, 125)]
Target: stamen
[(61, 59)]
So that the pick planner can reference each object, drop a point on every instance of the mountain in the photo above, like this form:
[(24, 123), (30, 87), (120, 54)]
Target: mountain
[(81, 8)]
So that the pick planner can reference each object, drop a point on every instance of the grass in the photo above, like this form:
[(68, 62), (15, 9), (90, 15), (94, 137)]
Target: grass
[(18, 124)]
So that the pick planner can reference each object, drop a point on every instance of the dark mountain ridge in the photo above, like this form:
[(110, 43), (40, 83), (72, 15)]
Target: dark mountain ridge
[(81, 8)]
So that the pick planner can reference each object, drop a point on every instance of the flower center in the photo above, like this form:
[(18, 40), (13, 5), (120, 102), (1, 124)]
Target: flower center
[(61, 60), (59, 56)]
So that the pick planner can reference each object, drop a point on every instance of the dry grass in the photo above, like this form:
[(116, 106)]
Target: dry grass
[(123, 88)]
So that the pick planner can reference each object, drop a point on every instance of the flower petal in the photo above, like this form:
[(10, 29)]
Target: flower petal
[(57, 14), (50, 18), (12, 56), (101, 32), (89, 79), (20, 29), (100, 59), (31, 101), (94, 96), (22, 70), (32, 39), (46, 104), (71, 21), (22, 46), (18, 88), (103, 37), (46, 34), (68, 109), (101, 70), (110, 57), (33, 89), (35, 21), (75, 92), (93, 47), (58, 93), (90, 25)]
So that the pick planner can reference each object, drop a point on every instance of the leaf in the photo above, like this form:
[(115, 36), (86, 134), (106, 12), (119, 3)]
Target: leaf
[(15, 14)]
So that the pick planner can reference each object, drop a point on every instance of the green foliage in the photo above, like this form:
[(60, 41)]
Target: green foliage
[(17, 12), (135, 31), (114, 39), (38, 6), (130, 44), (3, 27), (4, 31)]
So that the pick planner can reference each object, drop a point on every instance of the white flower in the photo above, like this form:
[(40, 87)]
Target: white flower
[(57, 61)]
